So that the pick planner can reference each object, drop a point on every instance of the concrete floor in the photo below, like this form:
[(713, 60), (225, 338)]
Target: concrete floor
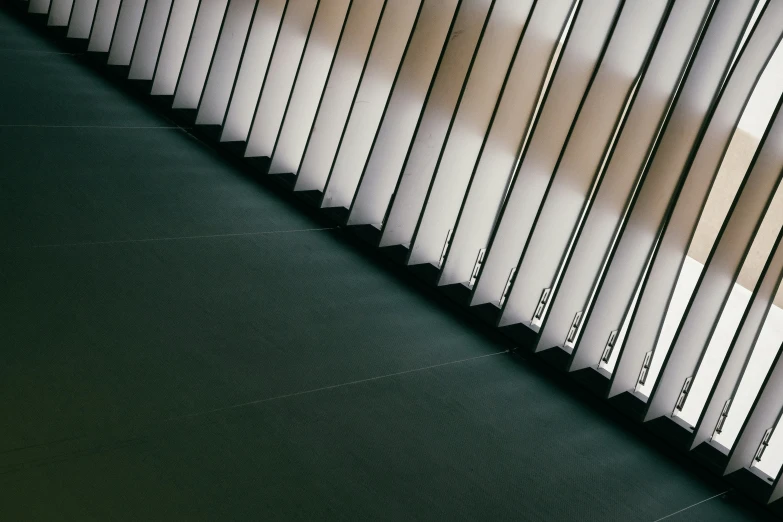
[(179, 344)]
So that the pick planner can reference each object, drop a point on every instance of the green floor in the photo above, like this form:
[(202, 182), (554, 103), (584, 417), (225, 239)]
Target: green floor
[(178, 344)]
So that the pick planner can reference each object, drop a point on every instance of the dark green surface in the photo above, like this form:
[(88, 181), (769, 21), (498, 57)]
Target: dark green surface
[(366, 401), (40, 86), (65, 185)]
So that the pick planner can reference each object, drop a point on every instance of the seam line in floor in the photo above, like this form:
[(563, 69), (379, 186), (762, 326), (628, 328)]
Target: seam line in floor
[(173, 238), (691, 506), (331, 387)]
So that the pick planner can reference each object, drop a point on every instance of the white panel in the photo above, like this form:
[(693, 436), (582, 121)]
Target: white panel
[(524, 88), (125, 32), (737, 305), (217, 91), (199, 54), (469, 128), (153, 25), (40, 6), (636, 241), (310, 82), (635, 244), (582, 50), (405, 107), (761, 359), (745, 344), (582, 159), (252, 69), (583, 263), (669, 283), (721, 271), (175, 43), (370, 101), (82, 16), (280, 78), (763, 415), (352, 53), (60, 12), (430, 135), (665, 269), (103, 25)]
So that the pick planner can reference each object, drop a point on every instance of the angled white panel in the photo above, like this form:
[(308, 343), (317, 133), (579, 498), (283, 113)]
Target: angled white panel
[(635, 243), (739, 297), (508, 20), (666, 267), (220, 80), (368, 106), (82, 15), (523, 90), (761, 360), (103, 25), (310, 82), (583, 47), (280, 77), (198, 56), (738, 367), (41, 6), (125, 32), (153, 25), (335, 103), (405, 107), (582, 159), (175, 43), (252, 69), (431, 130), (763, 415), (59, 12), (632, 251), (583, 263), (721, 271)]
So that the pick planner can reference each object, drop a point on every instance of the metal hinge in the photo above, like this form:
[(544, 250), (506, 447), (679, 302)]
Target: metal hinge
[(609, 348), (445, 248), (477, 267), (763, 446), (723, 414), (507, 288), (575, 324), (686, 388), (542, 301), (645, 369)]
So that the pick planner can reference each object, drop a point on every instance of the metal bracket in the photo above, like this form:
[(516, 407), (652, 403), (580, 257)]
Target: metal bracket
[(542, 301), (445, 250), (507, 288), (645, 369), (722, 419), (686, 388), (763, 446), (477, 267), (609, 348), (575, 324)]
